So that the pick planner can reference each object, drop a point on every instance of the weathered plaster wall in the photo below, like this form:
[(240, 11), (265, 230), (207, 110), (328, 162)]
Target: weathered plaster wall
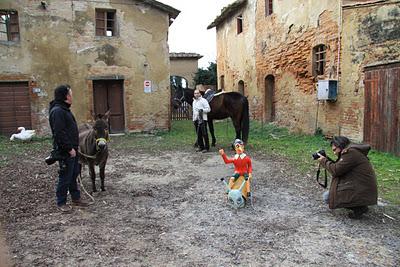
[(371, 34), (185, 67), (58, 45), (284, 43), (236, 54)]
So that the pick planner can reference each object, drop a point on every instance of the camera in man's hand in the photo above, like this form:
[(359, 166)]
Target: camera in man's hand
[(316, 156), (54, 156)]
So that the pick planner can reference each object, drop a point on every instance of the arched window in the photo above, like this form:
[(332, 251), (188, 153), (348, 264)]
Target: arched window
[(241, 87), (222, 82), (239, 24)]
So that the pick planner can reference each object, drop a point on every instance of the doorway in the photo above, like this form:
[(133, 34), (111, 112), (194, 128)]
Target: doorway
[(109, 95), (269, 94)]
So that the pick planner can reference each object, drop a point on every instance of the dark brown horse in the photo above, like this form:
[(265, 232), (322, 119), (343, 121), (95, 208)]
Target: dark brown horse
[(223, 105), (93, 147)]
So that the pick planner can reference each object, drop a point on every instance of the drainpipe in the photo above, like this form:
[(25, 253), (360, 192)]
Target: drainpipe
[(339, 40)]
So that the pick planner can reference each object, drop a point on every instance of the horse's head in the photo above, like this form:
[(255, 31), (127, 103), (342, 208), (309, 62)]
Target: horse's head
[(179, 96), (101, 130)]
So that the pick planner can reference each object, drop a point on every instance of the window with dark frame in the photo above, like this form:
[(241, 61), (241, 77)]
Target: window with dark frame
[(319, 58), (268, 7), (105, 22), (239, 24), (9, 28)]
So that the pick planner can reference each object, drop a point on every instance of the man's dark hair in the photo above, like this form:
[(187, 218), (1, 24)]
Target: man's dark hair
[(61, 92), (340, 141)]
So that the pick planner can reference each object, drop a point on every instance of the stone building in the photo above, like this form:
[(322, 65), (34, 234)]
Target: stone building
[(184, 65), (114, 54), (316, 65), (235, 47)]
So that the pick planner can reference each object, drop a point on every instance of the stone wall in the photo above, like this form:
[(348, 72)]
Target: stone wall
[(236, 54), (185, 67), (58, 45), (371, 35)]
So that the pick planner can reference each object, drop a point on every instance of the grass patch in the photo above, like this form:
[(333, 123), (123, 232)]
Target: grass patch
[(9, 148), (264, 138)]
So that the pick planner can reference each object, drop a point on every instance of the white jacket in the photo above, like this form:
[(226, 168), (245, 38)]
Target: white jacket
[(198, 104)]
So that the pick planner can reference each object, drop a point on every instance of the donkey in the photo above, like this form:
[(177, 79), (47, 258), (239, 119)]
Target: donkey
[(93, 147)]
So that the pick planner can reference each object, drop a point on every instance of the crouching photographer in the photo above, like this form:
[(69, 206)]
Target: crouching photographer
[(353, 184)]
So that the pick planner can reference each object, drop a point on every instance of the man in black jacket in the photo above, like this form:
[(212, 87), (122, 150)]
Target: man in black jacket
[(66, 141)]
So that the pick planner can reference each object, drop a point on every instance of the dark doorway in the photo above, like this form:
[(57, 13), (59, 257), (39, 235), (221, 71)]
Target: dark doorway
[(109, 95), (269, 98), (382, 108), (15, 107)]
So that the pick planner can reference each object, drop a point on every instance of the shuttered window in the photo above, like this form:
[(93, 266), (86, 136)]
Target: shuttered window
[(9, 28), (105, 22)]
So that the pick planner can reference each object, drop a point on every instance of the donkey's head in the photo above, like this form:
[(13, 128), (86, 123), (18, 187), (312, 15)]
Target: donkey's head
[(100, 128)]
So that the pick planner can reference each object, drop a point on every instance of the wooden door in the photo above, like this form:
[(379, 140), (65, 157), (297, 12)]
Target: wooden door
[(15, 107), (108, 95), (382, 108)]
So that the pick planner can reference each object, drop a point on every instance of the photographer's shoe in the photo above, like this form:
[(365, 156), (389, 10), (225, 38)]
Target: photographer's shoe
[(79, 203), (65, 208), (358, 212)]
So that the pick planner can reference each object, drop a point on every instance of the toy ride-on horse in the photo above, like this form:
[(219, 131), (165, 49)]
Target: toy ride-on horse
[(238, 188)]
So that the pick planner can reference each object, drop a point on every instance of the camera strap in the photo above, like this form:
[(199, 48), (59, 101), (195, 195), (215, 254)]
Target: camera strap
[(325, 184)]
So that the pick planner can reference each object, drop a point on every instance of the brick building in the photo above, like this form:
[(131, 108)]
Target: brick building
[(114, 54), (347, 48)]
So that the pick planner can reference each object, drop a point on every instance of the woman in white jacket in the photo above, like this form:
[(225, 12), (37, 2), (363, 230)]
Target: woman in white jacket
[(200, 109)]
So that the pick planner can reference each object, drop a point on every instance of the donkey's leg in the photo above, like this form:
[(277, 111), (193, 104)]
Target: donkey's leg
[(92, 176), (211, 128), (102, 176)]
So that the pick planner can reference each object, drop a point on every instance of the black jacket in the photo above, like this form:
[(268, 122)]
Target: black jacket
[(63, 126)]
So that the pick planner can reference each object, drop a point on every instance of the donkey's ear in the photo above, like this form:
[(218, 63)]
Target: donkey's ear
[(107, 115)]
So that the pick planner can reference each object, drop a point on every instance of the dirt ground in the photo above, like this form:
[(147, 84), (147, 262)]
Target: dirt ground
[(167, 208)]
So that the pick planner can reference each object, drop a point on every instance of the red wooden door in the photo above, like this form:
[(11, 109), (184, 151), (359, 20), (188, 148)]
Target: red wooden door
[(15, 107), (108, 95), (382, 108)]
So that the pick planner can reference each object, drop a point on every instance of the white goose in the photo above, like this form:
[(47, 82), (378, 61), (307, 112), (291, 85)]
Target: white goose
[(23, 134)]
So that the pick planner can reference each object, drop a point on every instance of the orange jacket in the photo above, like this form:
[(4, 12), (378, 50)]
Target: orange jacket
[(241, 162)]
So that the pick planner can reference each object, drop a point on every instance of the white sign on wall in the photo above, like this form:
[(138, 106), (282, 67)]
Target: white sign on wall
[(147, 86)]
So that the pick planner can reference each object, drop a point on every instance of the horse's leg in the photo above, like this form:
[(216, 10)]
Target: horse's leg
[(102, 176), (92, 176), (238, 128), (211, 127)]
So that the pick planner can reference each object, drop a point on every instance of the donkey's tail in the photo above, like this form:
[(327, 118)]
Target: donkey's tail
[(245, 120)]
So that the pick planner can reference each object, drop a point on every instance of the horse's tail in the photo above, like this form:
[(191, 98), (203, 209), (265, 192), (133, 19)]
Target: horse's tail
[(245, 120)]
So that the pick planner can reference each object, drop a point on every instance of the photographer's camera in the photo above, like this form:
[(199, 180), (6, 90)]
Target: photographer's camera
[(316, 156)]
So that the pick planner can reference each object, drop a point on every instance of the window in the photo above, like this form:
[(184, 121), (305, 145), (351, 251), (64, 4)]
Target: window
[(239, 24), (222, 82), (9, 29), (105, 23), (268, 7), (319, 55)]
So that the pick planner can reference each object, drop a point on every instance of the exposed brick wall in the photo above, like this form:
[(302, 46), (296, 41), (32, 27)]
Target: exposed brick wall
[(286, 53)]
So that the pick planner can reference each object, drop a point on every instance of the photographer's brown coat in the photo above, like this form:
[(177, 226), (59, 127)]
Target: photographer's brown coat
[(353, 179)]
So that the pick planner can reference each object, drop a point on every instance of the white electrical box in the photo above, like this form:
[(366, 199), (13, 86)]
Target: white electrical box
[(327, 90)]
